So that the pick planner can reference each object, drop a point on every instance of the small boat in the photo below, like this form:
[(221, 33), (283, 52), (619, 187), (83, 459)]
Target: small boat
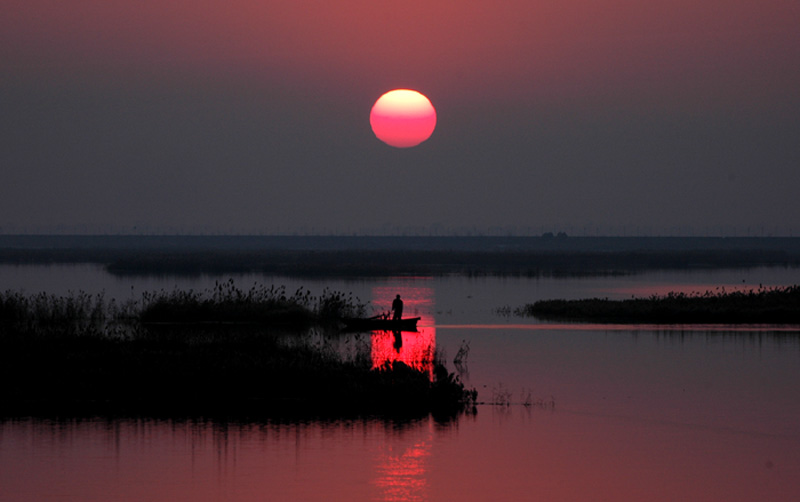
[(381, 323)]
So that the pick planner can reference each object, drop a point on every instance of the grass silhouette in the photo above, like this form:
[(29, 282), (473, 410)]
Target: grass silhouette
[(762, 305), (219, 352)]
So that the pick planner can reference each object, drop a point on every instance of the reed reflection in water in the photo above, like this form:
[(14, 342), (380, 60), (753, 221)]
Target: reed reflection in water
[(166, 460)]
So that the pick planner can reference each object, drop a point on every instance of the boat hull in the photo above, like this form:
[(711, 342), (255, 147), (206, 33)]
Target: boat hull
[(408, 324)]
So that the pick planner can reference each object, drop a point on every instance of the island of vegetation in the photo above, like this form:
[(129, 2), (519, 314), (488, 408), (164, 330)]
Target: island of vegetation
[(779, 305), (225, 352)]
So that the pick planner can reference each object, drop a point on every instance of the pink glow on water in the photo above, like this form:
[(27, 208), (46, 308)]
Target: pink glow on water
[(403, 473), (560, 455), (415, 349), (637, 417)]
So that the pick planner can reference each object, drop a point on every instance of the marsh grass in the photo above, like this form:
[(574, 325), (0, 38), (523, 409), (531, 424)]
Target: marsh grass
[(501, 395), (82, 313), (81, 353), (201, 371), (462, 354), (527, 400), (226, 303), (460, 360), (761, 305), (47, 309)]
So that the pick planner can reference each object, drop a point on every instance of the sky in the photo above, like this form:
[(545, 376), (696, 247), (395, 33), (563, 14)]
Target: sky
[(592, 117)]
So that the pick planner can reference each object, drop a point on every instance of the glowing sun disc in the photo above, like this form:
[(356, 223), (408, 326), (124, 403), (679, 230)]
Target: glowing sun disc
[(403, 118)]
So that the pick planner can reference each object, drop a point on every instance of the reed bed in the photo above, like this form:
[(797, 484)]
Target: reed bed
[(85, 354), (226, 303), (763, 305)]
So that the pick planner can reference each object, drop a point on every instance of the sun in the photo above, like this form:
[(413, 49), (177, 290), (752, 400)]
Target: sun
[(403, 118)]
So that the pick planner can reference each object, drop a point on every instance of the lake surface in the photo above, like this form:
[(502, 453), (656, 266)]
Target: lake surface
[(572, 411)]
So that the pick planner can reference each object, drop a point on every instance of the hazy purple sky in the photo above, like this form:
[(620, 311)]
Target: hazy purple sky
[(585, 116)]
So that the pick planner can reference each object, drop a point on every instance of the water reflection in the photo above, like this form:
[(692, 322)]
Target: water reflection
[(745, 329), (402, 469), (415, 349), (645, 412), (138, 459)]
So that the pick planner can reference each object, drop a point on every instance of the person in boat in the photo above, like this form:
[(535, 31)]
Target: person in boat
[(397, 308)]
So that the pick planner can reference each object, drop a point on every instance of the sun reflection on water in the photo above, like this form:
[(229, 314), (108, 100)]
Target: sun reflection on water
[(413, 348), (402, 469)]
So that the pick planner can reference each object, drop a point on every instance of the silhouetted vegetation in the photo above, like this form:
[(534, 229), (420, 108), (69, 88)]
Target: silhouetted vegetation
[(763, 305), (260, 305), (77, 313), (80, 354), (225, 303)]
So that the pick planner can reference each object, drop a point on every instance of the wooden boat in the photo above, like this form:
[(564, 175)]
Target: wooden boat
[(379, 323)]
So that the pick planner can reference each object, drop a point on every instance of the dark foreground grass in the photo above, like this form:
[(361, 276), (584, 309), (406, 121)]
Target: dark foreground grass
[(81, 354), (761, 306), (196, 372)]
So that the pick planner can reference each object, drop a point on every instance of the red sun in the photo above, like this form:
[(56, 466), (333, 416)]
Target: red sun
[(403, 118)]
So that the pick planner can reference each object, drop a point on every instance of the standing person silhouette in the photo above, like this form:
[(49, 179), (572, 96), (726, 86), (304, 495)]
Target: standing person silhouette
[(397, 308)]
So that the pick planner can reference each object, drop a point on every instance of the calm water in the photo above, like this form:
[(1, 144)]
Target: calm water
[(615, 413)]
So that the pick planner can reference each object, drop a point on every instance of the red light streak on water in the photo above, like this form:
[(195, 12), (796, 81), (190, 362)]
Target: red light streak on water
[(402, 474), (415, 349)]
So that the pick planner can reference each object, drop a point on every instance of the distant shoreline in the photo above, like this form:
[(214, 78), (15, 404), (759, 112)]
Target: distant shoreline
[(389, 242), (388, 256)]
